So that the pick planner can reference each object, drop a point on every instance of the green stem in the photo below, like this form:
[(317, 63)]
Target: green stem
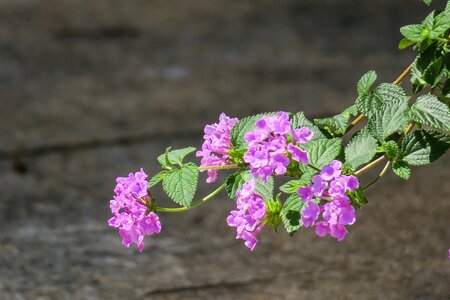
[(224, 167), (184, 208), (370, 166), (386, 167)]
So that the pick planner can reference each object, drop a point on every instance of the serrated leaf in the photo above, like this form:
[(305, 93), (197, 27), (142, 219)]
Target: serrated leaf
[(181, 184), (361, 149), (337, 124), (388, 119), (157, 178), (405, 43), (434, 72), (366, 82), (299, 120), (440, 25), (401, 169), (322, 152), (242, 127), (413, 32), (370, 103), (235, 181), (424, 146), (430, 111), (391, 149), (175, 156), (357, 198), (291, 214), (292, 186)]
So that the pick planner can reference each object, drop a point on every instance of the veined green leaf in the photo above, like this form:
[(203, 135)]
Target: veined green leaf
[(366, 82), (180, 184), (430, 111), (157, 178), (291, 214), (361, 149), (401, 169), (299, 120), (388, 119), (242, 127), (370, 103), (235, 181), (413, 32), (292, 186), (424, 146), (337, 125), (322, 152), (175, 156)]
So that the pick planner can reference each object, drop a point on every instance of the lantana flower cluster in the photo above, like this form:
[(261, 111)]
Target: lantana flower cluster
[(248, 218), (329, 185), (270, 144), (131, 215), (217, 144)]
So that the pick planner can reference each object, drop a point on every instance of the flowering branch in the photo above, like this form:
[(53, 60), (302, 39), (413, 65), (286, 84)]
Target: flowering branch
[(322, 171)]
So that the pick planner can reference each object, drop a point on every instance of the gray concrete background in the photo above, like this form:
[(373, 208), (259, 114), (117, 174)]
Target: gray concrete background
[(91, 90)]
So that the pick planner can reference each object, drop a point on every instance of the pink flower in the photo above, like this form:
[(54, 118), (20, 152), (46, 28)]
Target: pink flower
[(217, 144), (249, 216), (131, 215)]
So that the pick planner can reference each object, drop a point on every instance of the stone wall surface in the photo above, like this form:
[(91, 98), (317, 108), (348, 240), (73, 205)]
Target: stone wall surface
[(91, 90)]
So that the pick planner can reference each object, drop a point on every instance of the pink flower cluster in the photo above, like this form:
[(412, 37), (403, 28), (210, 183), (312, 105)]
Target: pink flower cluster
[(329, 185), (249, 216), (217, 144), (130, 214), (270, 143)]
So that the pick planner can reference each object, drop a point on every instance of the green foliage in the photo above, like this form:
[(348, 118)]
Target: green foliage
[(273, 212), (424, 146), (430, 111), (390, 118), (298, 120), (391, 149), (322, 152), (235, 181), (427, 2), (366, 82), (372, 102), (292, 186), (291, 214), (414, 32), (157, 178), (242, 127), (401, 169), (357, 198), (181, 184), (337, 125), (174, 157), (360, 150)]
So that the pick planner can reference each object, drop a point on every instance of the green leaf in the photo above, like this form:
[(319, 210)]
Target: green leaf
[(357, 198), (441, 24), (391, 149), (361, 149), (291, 214), (175, 156), (405, 43), (424, 146), (322, 152), (413, 32), (366, 81), (292, 186), (401, 169), (157, 178), (427, 2), (430, 111), (242, 127), (389, 119), (235, 181), (434, 72), (370, 103), (181, 184), (337, 125), (299, 120)]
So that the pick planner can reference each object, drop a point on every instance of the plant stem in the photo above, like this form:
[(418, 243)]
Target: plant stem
[(386, 167), (224, 167), (180, 209), (317, 169), (396, 81), (370, 166)]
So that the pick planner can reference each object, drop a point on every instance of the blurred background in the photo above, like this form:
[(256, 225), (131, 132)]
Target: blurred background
[(91, 90)]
